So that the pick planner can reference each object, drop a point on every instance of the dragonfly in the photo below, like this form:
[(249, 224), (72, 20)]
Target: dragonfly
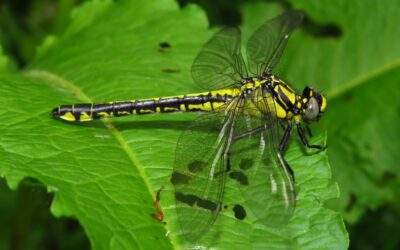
[(242, 132)]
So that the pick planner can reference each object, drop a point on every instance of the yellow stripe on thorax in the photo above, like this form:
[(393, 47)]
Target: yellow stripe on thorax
[(275, 108), (272, 106)]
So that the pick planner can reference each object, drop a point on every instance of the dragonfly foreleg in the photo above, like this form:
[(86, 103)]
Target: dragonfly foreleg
[(304, 140)]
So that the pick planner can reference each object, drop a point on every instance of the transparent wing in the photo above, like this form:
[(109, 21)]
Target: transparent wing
[(282, 180), (266, 44), (200, 169), (241, 144), (220, 63), (264, 180)]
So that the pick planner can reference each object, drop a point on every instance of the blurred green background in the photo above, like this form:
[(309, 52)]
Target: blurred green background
[(24, 214)]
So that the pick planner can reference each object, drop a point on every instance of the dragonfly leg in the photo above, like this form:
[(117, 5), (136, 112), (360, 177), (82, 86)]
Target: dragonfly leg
[(285, 139), (228, 163), (309, 131), (304, 140), (282, 148), (227, 169), (282, 124)]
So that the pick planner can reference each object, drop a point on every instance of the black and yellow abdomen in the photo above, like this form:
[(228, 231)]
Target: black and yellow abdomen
[(207, 101), (282, 101)]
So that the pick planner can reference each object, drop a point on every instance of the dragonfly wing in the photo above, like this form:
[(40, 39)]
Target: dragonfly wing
[(265, 182), (266, 44), (199, 171), (220, 63)]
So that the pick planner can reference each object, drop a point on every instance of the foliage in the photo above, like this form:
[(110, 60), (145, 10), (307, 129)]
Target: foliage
[(106, 173)]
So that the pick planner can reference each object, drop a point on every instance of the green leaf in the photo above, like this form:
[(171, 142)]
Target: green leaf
[(106, 173), (357, 70), (28, 224)]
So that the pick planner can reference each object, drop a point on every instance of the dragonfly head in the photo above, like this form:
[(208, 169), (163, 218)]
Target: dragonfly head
[(313, 103)]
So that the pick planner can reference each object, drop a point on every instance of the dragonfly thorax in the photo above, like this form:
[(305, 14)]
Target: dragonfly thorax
[(282, 100)]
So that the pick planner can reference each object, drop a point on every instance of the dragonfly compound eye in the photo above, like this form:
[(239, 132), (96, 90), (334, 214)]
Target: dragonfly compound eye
[(312, 109)]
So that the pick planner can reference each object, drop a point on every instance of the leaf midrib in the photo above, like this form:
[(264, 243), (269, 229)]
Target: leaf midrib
[(356, 81), (53, 80)]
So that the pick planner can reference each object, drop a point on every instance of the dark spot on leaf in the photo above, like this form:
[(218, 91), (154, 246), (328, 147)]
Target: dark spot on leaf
[(169, 70), (330, 30), (322, 30), (164, 46), (239, 211), (239, 177), (194, 200), (227, 11), (179, 178), (246, 163), (226, 207), (196, 166)]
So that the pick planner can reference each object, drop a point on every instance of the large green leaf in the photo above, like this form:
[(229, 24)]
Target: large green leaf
[(357, 70), (106, 173)]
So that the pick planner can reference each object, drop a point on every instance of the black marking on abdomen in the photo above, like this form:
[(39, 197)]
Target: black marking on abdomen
[(172, 104), (139, 107), (76, 109), (211, 101), (112, 109), (145, 106)]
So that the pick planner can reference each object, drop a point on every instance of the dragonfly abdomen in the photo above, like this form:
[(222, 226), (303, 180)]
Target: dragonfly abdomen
[(189, 103)]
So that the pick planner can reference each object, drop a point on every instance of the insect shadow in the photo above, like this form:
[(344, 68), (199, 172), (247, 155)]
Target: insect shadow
[(135, 125)]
